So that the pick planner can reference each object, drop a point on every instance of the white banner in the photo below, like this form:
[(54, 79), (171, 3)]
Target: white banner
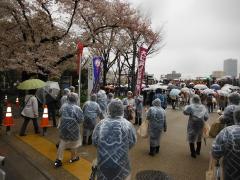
[(90, 78)]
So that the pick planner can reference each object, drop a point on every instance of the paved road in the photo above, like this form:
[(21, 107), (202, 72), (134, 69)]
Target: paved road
[(174, 158)]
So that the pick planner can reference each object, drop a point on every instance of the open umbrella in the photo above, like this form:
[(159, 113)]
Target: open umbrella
[(186, 90), (215, 86), (31, 84), (200, 86), (222, 93), (174, 92), (52, 88), (208, 91)]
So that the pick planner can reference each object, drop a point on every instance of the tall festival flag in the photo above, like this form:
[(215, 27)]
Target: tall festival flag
[(79, 57), (90, 78), (97, 62), (140, 69)]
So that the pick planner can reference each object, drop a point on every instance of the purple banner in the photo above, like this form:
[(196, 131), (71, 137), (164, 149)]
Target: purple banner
[(97, 62)]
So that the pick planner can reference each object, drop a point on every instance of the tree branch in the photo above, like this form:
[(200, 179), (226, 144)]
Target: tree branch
[(43, 5), (57, 38), (26, 19)]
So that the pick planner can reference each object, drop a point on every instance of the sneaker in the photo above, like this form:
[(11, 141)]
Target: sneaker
[(75, 159), (58, 163)]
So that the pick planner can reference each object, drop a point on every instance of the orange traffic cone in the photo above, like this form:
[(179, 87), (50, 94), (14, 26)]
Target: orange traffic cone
[(8, 120), (17, 102), (45, 121)]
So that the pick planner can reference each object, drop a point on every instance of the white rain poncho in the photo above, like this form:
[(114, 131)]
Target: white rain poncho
[(197, 115), (91, 111), (66, 91), (157, 122), (71, 117), (227, 145), (227, 118), (102, 101), (114, 136), (139, 106)]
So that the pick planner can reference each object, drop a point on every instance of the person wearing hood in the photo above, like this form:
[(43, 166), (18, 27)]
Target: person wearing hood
[(102, 101), (227, 147), (113, 137), (71, 117), (91, 111), (227, 118), (129, 106), (110, 97), (72, 90), (157, 122), (198, 114), (63, 100), (138, 110)]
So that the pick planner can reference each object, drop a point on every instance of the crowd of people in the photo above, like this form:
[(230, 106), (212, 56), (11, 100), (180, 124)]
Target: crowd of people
[(108, 124)]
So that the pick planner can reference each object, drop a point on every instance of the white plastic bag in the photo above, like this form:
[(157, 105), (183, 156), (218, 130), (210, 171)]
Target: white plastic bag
[(143, 129)]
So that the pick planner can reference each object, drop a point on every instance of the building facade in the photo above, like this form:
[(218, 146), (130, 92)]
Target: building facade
[(218, 74), (230, 67), (173, 75)]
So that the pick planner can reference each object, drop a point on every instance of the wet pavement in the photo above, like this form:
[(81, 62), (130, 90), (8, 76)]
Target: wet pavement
[(25, 162)]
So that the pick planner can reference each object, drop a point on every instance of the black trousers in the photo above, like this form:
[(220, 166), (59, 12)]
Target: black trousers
[(25, 123), (52, 116)]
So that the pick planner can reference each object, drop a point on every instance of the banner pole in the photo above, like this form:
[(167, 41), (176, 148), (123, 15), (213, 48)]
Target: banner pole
[(79, 81)]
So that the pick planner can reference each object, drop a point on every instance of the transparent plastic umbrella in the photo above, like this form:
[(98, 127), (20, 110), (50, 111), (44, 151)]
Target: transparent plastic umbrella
[(200, 86), (223, 93), (51, 88), (208, 91), (174, 92)]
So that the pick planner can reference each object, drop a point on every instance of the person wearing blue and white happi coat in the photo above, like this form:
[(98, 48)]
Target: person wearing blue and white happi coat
[(157, 122), (227, 147), (91, 111), (113, 137), (198, 114)]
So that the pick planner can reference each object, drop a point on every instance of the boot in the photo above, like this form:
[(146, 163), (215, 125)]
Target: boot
[(198, 148), (84, 142), (140, 121), (157, 149), (90, 140), (152, 151), (192, 149)]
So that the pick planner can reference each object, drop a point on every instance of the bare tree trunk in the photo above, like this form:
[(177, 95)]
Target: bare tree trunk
[(133, 75)]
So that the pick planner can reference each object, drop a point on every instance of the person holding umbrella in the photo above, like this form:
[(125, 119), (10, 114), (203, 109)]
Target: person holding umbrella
[(52, 106), (30, 112)]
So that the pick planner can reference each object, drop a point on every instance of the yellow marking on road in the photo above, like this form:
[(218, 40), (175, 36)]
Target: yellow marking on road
[(80, 169)]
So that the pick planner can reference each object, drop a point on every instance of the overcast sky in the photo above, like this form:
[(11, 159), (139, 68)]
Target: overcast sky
[(199, 34)]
